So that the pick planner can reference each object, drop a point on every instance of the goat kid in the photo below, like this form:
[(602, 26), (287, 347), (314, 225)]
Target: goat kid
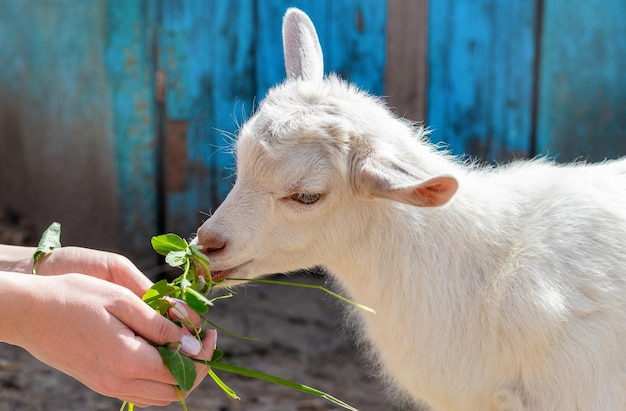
[(495, 288)]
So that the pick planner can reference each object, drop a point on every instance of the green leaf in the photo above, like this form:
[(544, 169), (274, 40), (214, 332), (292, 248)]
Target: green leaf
[(196, 301), (196, 251), (176, 258), (182, 368), (160, 305), (159, 290), (165, 243), (202, 286), (50, 240), (183, 282), (217, 355)]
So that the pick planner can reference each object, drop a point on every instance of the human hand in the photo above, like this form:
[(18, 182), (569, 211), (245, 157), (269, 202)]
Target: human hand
[(97, 332), (107, 266)]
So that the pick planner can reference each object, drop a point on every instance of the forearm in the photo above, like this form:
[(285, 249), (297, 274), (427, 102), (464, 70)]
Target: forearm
[(18, 296), (65, 260), (16, 259)]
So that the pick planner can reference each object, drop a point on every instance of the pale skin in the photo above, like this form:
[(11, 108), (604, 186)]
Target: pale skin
[(83, 314)]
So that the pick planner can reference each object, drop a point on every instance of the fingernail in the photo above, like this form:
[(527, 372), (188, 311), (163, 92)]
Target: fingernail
[(215, 338), (179, 310), (190, 345)]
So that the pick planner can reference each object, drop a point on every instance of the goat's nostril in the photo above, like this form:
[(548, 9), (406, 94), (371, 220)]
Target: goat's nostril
[(211, 243), (213, 249)]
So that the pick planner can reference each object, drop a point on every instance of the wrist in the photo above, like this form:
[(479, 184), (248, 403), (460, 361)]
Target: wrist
[(18, 299)]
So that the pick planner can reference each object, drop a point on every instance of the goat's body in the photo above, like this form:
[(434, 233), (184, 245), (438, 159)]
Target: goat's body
[(499, 289), (517, 306)]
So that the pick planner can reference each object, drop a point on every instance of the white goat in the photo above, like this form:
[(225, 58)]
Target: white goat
[(510, 296)]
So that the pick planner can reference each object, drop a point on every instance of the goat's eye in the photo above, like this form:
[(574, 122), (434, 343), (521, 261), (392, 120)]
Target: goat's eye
[(305, 198)]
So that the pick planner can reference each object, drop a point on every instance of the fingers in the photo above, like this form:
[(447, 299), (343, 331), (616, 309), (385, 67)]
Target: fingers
[(147, 391), (123, 272), (152, 326), (107, 266), (209, 343), (181, 311), (149, 325)]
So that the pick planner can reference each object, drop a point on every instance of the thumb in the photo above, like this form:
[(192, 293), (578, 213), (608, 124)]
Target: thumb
[(152, 326)]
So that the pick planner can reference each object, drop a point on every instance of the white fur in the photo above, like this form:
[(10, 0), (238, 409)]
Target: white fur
[(511, 296)]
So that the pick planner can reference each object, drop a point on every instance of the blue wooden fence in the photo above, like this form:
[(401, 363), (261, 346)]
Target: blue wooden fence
[(129, 55), (99, 99), (212, 85), (581, 109), (481, 63)]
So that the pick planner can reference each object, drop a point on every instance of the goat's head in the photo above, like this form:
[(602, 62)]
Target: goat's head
[(305, 161)]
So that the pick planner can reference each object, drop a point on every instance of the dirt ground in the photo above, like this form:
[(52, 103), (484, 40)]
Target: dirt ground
[(302, 338)]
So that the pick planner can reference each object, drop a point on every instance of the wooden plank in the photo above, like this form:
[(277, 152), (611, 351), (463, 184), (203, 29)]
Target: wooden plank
[(481, 58), (79, 146), (406, 75), (206, 54), (130, 69), (582, 84), (352, 34), (357, 42), (55, 136)]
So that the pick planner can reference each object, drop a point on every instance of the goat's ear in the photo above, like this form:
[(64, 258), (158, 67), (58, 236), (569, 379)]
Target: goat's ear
[(383, 178), (303, 53)]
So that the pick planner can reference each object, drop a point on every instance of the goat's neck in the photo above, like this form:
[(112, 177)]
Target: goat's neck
[(424, 255), (425, 284)]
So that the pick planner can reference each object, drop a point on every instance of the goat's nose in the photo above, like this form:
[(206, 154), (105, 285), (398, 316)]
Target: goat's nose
[(211, 242)]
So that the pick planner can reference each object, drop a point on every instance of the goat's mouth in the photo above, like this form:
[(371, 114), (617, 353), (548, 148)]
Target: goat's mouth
[(221, 275)]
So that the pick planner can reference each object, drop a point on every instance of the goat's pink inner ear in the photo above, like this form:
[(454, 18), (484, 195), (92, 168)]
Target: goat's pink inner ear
[(436, 191)]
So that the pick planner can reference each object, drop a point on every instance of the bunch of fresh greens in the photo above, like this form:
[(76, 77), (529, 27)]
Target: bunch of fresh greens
[(193, 288)]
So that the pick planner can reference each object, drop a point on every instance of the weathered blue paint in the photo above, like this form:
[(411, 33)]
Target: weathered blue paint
[(480, 91), (80, 126), (221, 56), (582, 93), (57, 122), (130, 72), (352, 34), (77, 79), (206, 51)]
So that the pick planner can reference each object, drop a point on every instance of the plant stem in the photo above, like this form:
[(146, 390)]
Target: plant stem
[(276, 380), (311, 286)]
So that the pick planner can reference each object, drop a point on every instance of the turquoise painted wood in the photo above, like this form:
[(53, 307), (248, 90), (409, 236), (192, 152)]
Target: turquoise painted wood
[(219, 57), (582, 82), (352, 34), (206, 53), (107, 97), (76, 133), (480, 91), (129, 52)]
